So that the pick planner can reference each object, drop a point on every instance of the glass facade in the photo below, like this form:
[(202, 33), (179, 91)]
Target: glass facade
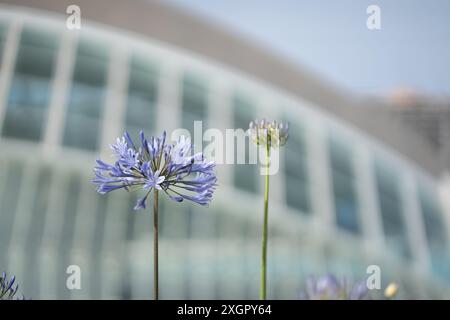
[(71, 204), (435, 230), (87, 96), (343, 179), (246, 174), (142, 96), (36, 228), (3, 34), (10, 187), (391, 208), (194, 102), (296, 169), (29, 95)]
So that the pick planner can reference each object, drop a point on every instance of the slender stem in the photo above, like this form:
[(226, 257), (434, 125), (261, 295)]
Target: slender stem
[(263, 288), (155, 245)]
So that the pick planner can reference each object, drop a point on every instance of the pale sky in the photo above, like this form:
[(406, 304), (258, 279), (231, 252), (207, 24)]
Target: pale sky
[(330, 38)]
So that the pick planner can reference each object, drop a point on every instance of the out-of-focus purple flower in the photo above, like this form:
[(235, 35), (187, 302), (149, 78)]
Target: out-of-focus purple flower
[(7, 288), (265, 132), (330, 288), (157, 165)]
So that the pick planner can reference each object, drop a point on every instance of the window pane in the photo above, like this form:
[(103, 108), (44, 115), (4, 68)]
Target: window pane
[(194, 102), (296, 169), (85, 105), (3, 32), (142, 97), (245, 175), (9, 202), (391, 208), (30, 88), (36, 230), (345, 200), (65, 244), (435, 230), (297, 194), (97, 246)]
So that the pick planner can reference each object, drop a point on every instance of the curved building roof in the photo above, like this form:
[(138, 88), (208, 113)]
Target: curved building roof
[(170, 25)]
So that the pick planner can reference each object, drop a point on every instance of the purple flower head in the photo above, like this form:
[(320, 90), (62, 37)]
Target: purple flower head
[(157, 165), (153, 180), (330, 288), (7, 288)]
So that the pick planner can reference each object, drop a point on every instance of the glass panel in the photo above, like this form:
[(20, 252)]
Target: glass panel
[(35, 232), (8, 204), (296, 170), (194, 102), (345, 200), (3, 33), (67, 234), (29, 96), (245, 175), (142, 97), (85, 105), (391, 208), (97, 245), (435, 230), (297, 194)]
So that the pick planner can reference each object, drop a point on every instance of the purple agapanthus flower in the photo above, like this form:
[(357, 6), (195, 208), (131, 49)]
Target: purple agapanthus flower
[(154, 164), (7, 288), (330, 288)]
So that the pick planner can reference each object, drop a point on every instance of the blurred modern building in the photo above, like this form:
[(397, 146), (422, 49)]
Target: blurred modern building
[(428, 115), (355, 189)]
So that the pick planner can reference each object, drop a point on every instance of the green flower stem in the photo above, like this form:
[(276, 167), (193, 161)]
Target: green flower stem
[(263, 289), (155, 245)]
